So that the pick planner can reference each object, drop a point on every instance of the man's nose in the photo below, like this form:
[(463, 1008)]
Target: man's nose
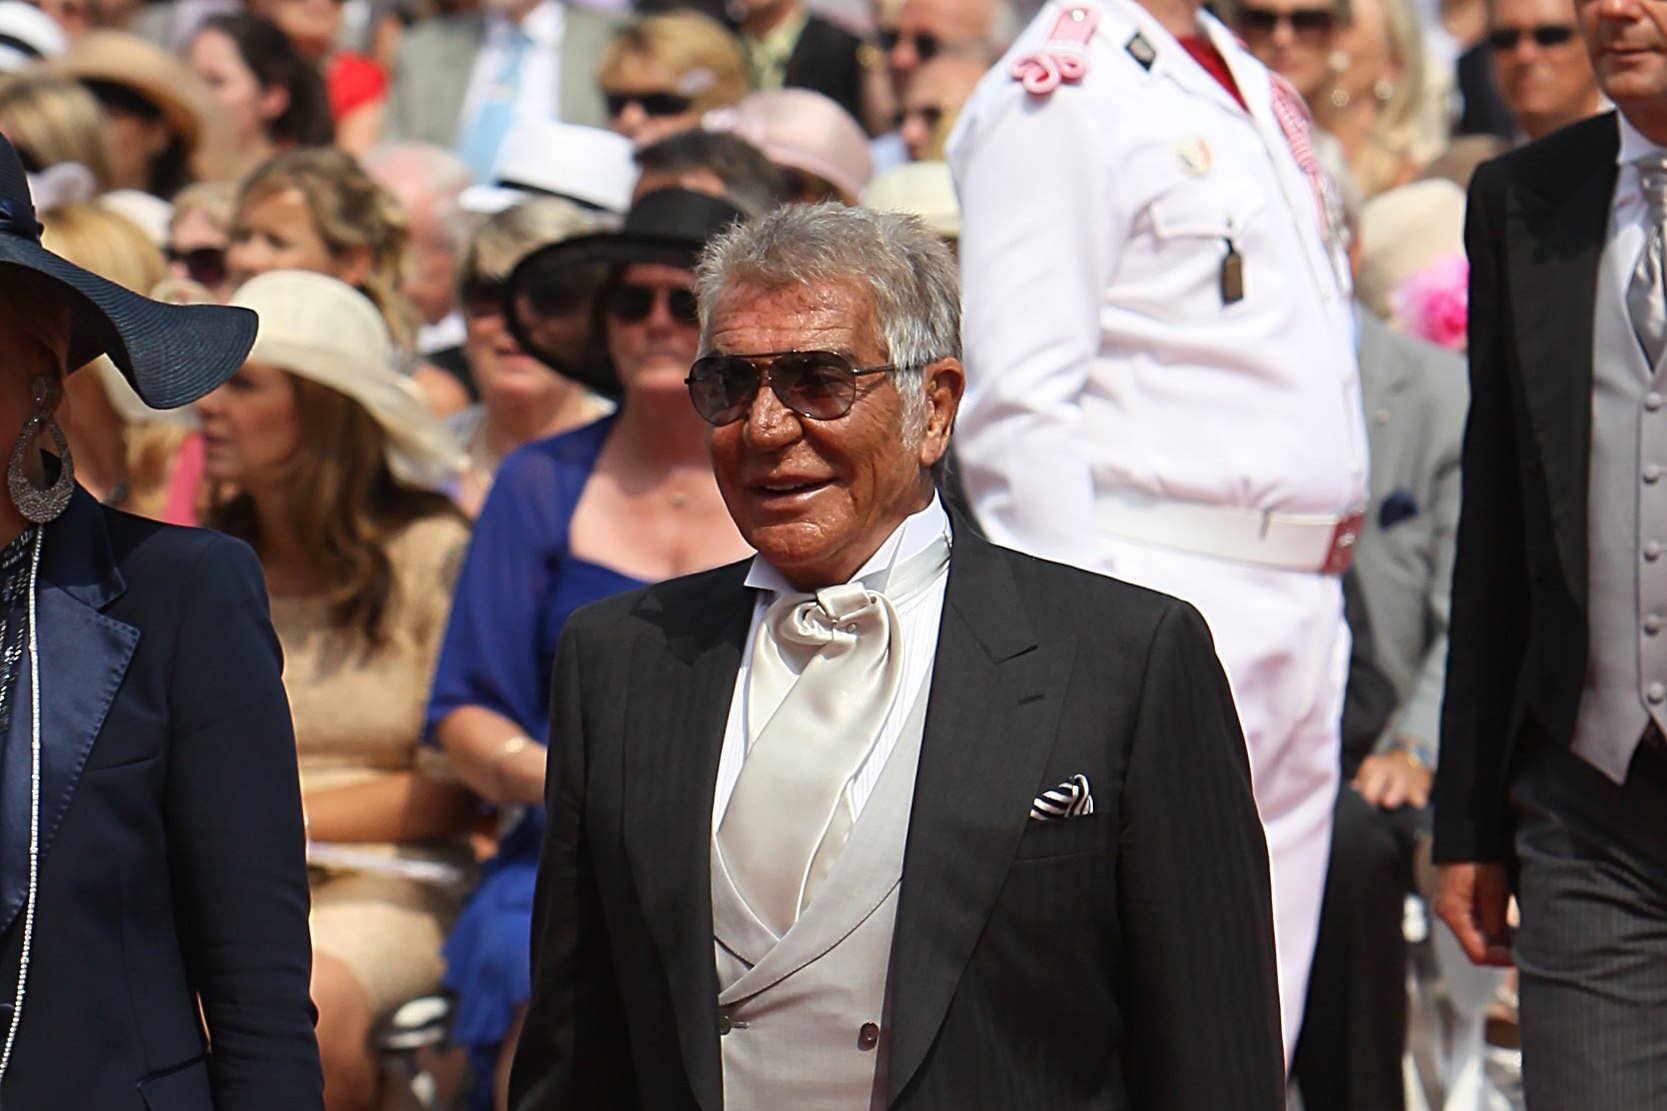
[(770, 424)]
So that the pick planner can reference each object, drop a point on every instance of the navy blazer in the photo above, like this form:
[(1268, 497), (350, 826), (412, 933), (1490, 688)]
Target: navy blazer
[(173, 867)]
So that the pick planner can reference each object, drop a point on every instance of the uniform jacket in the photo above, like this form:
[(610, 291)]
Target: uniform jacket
[(1415, 397), (431, 71), (173, 869), (1123, 959), (1105, 350), (1535, 229)]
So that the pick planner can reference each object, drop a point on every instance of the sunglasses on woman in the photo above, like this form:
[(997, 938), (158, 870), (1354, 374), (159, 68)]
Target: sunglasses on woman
[(1303, 21), (1502, 40), (821, 385), (926, 45), (632, 304), (652, 104), (206, 265)]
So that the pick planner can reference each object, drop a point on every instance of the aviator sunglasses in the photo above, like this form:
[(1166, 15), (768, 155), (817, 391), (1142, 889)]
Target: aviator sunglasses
[(821, 385), (1303, 21), (1547, 35), (205, 265), (633, 303), (926, 44)]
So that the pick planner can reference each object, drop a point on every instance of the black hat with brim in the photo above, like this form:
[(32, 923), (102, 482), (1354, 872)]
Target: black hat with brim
[(668, 227), (170, 354)]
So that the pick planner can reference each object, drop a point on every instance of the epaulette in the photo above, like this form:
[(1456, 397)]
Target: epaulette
[(1063, 55)]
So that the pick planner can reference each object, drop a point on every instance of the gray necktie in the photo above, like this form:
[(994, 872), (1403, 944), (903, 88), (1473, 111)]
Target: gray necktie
[(1644, 298), (838, 656)]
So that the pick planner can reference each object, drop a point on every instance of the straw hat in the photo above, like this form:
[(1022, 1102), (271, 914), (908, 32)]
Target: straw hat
[(1404, 230), (134, 63), (923, 189), (802, 130), (324, 330)]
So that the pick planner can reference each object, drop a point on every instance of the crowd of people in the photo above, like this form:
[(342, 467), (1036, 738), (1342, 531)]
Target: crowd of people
[(1215, 335)]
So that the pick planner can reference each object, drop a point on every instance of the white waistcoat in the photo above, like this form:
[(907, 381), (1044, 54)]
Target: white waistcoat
[(803, 1019)]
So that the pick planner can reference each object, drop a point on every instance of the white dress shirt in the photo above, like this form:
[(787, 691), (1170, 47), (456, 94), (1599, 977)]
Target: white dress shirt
[(1102, 355), (536, 93), (920, 614)]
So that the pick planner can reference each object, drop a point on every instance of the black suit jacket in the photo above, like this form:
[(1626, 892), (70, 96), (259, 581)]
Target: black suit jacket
[(1535, 231), (827, 60), (173, 869), (1119, 960)]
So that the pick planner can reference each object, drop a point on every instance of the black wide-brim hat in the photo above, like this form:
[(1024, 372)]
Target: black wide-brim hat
[(550, 289), (170, 354)]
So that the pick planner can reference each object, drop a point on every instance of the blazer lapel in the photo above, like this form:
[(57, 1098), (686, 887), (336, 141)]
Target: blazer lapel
[(83, 657), (672, 744), (990, 722), (1555, 244)]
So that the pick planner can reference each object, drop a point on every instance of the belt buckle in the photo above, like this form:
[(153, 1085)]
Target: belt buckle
[(1343, 540)]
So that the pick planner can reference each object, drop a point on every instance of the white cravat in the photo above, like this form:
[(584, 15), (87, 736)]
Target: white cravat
[(919, 617)]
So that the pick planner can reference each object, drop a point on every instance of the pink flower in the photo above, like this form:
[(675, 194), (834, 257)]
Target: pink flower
[(1434, 303)]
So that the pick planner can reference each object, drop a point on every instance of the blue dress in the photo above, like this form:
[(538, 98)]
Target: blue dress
[(518, 585)]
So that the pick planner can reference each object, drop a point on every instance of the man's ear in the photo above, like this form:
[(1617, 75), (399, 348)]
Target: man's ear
[(943, 382)]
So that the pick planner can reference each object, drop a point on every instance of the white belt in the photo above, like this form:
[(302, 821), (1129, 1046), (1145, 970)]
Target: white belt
[(1318, 542)]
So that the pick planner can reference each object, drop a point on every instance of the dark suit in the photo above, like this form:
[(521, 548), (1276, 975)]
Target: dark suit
[(827, 60), (173, 870), (1119, 960), (1588, 856)]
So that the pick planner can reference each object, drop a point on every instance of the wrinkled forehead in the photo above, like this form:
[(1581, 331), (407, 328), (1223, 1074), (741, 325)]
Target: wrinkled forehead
[(746, 317), (954, 22), (1529, 13)]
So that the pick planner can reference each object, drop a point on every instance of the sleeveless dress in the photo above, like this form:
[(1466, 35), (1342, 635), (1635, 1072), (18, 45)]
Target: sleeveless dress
[(518, 586)]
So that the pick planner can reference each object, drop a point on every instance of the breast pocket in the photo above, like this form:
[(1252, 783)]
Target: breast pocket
[(1202, 233), (1045, 840)]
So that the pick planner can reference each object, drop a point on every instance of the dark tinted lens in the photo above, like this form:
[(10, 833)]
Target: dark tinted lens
[(664, 104), (1553, 35), (630, 303), (1311, 21), (722, 387), (206, 265), (1503, 39), (887, 38), (1259, 21), (816, 384), (482, 297), (684, 308), (927, 46)]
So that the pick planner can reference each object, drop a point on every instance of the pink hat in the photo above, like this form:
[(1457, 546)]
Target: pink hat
[(802, 130)]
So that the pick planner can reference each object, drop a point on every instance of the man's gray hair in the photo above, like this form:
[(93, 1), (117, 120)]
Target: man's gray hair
[(905, 270), (406, 167)]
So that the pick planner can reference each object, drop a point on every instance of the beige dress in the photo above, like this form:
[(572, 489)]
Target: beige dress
[(359, 715)]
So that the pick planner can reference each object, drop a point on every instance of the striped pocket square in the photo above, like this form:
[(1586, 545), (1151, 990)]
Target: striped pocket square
[(1071, 799)]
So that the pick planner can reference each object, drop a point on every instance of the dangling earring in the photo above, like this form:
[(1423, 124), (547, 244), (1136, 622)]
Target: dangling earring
[(36, 504), (1383, 90), (1339, 97)]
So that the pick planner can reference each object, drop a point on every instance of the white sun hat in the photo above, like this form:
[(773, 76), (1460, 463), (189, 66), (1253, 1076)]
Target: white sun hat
[(324, 330), (548, 158)]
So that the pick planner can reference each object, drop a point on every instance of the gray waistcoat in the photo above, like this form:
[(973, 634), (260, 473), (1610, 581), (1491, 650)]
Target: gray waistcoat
[(803, 1018), (1626, 670)]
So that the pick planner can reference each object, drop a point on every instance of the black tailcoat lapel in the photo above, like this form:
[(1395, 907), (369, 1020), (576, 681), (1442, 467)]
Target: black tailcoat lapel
[(1555, 237), (990, 723), (84, 656), (672, 743)]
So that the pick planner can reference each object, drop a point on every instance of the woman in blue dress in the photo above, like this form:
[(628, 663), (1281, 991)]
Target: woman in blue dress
[(627, 500)]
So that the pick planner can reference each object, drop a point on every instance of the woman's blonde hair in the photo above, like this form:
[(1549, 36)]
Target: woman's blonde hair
[(51, 118), (1408, 131), (215, 199), (349, 209), (509, 236), (702, 58)]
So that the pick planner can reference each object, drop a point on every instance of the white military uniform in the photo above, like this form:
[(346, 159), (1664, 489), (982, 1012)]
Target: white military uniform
[(1142, 404)]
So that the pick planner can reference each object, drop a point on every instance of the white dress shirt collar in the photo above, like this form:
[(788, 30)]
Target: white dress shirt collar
[(1634, 143), (916, 532)]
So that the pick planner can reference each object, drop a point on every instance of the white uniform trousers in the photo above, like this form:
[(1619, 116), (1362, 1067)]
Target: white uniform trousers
[(1282, 640)]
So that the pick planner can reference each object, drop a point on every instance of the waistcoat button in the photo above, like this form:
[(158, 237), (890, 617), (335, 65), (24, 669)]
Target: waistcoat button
[(1652, 550), (1652, 623), (869, 1036), (1652, 401), (1655, 692), (724, 1024)]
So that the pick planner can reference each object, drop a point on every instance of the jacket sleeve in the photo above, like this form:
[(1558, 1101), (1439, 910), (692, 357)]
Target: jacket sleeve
[(573, 1052), (1488, 636), (1194, 896), (1033, 282), (237, 847)]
